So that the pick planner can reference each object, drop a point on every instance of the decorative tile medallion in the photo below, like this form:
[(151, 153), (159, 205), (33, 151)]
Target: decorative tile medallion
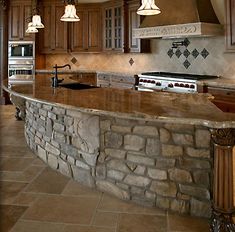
[(204, 53), (170, 52), (186, 53), (74, 60), (186, 64), (131, 61), (195, 53), (178, 53)]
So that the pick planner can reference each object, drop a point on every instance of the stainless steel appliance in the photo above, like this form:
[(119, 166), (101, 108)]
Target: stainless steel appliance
[(21, 62), (171, 82), (21, 50)]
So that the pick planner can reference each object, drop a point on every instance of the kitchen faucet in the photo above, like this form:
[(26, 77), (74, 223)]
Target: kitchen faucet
[(55, 80)]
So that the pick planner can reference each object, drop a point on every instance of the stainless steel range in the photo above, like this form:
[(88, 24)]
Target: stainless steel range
[(171, 82)]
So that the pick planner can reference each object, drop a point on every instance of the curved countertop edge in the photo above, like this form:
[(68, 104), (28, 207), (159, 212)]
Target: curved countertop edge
[(133, 116)]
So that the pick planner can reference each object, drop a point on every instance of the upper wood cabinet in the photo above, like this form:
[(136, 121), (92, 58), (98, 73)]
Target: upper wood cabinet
[(85, 35), (113, 21), (53, 38), (20, 13), (134, 20), (64, 37), (230, 25)]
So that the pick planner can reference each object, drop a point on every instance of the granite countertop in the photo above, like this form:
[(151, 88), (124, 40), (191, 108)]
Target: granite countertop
[(194, 109)]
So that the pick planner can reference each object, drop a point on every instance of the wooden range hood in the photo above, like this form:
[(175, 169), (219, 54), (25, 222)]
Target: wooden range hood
[(180, 18)]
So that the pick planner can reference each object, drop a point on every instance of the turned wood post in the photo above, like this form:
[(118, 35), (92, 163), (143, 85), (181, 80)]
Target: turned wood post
[(223, 181)]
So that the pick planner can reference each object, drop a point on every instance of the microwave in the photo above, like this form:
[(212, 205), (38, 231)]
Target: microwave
[(21, 50)]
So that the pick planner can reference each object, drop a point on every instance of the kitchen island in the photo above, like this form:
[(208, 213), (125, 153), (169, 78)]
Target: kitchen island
[(157, 149)]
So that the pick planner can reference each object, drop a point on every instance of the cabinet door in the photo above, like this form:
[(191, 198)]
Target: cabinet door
[(230, 25), (47, 32), (14, 22), (60, 40), (94, 30), (113, 28), (79, 33)]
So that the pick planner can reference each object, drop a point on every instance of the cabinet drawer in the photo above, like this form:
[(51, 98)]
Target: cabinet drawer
[(103, 77), (123, 79)]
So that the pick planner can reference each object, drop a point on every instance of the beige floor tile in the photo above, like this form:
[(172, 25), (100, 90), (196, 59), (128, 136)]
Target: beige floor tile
[(74, 228), (13, 140), (9, 216), (25, 199), (15, 164), (9, 191), (187, 224), (65, 209), (49, 181), (38, 162), (77, 189), (14, 151), (34, 226), (26, 176), (112, 204), (105, 219), (140, 223)]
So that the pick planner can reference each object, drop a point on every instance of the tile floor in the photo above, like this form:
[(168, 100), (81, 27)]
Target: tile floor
[(35, 198)]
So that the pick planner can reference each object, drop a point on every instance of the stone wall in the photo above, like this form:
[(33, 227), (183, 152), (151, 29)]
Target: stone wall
[(155, 164)]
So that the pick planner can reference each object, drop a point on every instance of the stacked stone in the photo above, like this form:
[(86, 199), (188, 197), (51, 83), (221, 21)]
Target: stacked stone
[(155, 164)]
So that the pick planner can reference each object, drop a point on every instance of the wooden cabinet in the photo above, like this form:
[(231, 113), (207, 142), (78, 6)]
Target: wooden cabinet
[(223, 98), (113, 30), (64, 37), (19, 16), (53, 38), (85, 35), (134, 20), (230, 25)]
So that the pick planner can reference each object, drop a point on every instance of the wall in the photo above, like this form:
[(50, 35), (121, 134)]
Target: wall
[(218, 62)]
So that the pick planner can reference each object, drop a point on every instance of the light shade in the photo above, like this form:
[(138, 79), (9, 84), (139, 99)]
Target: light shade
[(70, 14), (31, 28), (36, 22), (148, 7)]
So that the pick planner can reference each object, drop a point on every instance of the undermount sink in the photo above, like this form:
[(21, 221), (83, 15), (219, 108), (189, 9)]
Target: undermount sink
[(76, 86)]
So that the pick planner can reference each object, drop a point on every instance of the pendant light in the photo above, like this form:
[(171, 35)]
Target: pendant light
[(70, 14), (36, 19), (148, 7), (31, 28)]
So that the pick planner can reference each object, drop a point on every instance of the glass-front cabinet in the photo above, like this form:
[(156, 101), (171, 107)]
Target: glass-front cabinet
[(113, 26)]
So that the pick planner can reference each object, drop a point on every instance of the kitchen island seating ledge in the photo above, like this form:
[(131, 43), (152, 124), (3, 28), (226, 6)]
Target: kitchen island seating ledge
[(157, 149)]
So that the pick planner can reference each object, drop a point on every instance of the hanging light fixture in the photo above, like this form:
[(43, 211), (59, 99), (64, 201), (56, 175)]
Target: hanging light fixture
[(148, 7), (36, 19), (31, 28), (70, 14)]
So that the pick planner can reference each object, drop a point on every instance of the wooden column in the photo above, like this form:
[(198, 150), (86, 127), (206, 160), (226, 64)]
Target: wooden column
[(223, 181)]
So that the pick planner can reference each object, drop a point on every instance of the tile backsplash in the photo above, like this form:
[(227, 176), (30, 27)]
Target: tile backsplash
[(200, 56)]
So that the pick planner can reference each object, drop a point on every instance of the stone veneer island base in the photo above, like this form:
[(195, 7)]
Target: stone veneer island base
[(156, 164)]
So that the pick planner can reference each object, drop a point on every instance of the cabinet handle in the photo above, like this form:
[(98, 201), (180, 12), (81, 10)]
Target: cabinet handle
[(228, 93)]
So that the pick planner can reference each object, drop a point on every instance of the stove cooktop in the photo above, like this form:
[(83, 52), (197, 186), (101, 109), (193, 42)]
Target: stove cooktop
[(179, 75)]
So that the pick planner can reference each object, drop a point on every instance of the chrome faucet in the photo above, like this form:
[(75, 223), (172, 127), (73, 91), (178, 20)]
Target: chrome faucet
[(55, 80)]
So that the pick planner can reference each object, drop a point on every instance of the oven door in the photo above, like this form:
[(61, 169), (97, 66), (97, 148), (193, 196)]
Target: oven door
[(21, 49)]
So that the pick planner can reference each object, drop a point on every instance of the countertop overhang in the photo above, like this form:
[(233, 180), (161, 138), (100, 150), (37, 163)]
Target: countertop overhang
[(194, 109)]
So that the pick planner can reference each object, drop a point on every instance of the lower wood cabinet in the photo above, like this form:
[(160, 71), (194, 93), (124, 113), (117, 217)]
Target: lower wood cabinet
[(223, 98)]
